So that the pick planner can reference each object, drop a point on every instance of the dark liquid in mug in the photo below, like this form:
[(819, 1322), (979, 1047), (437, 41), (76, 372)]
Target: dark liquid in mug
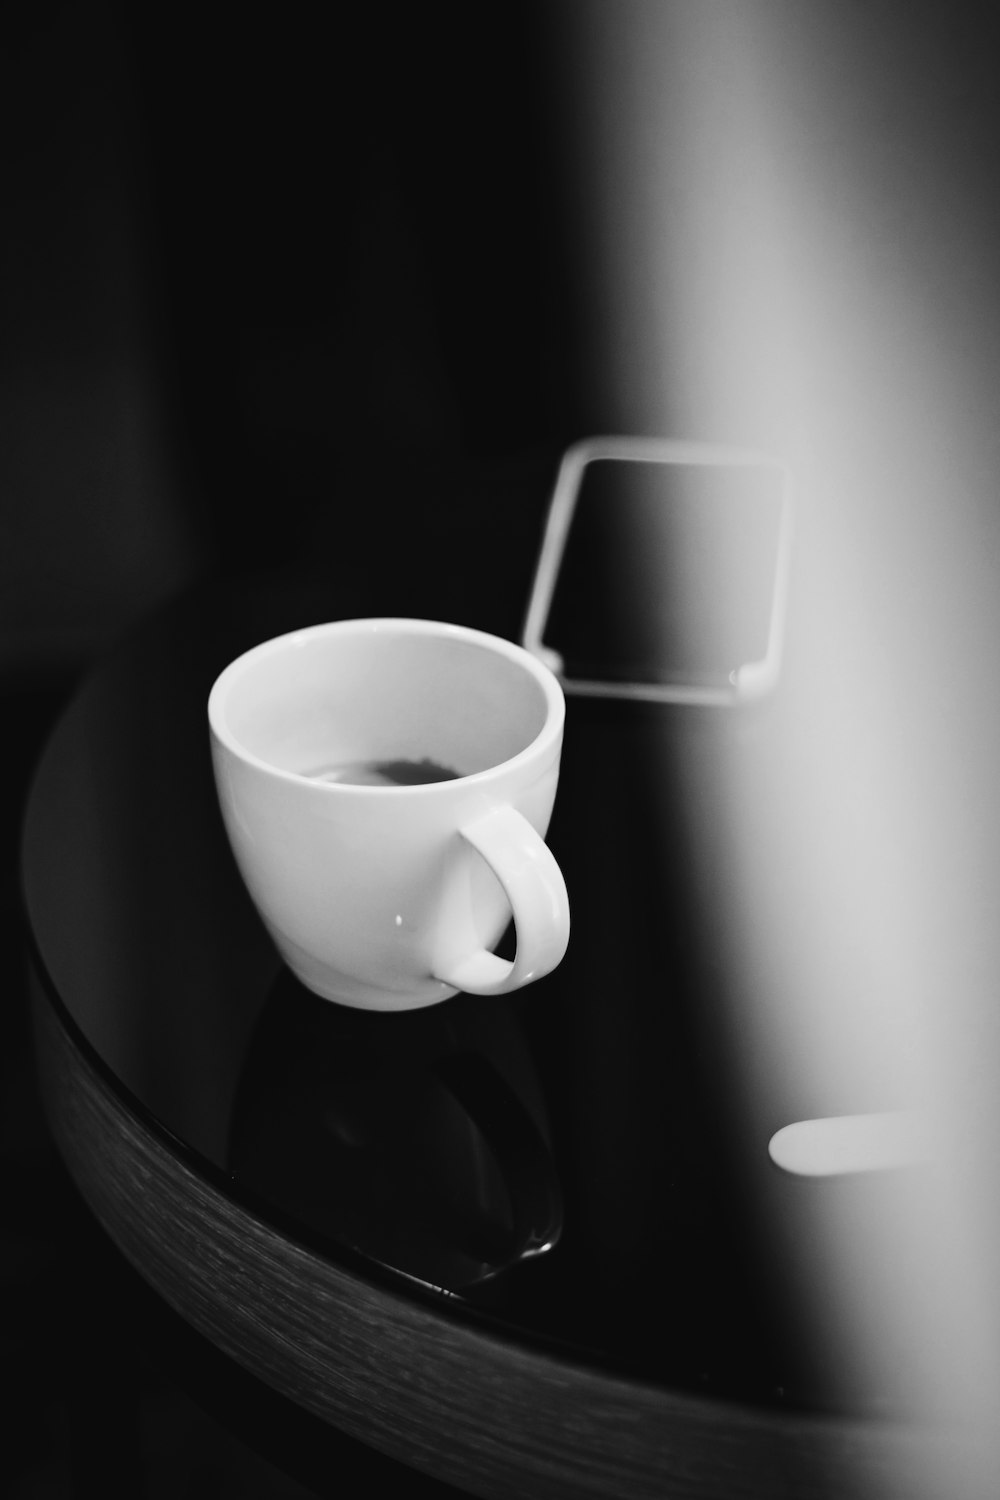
[(386, 772)]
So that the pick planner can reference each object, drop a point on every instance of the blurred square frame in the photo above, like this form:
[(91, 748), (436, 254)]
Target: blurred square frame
[(744, 681)]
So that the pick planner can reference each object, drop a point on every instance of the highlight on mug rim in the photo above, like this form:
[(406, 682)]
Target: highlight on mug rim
[(547, 739)]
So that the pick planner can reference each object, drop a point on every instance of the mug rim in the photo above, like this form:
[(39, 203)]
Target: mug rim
[(548, 735)]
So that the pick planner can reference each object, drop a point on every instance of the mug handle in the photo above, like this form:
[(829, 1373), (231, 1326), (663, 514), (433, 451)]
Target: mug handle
[(533, 883)]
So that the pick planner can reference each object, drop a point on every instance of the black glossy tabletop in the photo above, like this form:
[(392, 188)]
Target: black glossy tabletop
[(566, 1164)]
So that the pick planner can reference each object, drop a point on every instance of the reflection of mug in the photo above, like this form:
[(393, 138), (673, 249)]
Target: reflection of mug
[(419, 1140), (386, 786)]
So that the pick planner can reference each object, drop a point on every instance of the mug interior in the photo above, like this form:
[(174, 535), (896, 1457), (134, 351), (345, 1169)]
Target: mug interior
[(312, 702)]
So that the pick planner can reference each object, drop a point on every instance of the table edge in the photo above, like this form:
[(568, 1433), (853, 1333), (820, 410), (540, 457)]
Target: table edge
[(397, 1375)]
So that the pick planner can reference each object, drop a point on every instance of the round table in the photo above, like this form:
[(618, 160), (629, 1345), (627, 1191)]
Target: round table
[(542, 1273)]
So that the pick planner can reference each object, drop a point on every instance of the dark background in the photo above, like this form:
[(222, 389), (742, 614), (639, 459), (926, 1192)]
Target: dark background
[(267, 282), (278, 288), (358, 260)]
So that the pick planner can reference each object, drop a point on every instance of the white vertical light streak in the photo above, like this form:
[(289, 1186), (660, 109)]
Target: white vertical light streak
[(788, 240)]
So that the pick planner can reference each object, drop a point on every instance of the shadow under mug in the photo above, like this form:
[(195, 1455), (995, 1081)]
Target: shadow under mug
[(419, 1140), (386, 786)]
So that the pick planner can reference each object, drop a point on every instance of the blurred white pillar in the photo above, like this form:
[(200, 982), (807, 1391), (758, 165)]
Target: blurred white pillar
[(788, 224)]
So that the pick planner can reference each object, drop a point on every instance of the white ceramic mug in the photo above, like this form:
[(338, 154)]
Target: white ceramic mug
[(381, 888)]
